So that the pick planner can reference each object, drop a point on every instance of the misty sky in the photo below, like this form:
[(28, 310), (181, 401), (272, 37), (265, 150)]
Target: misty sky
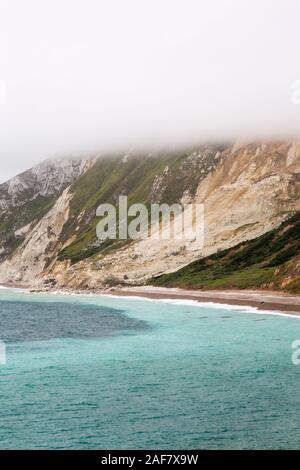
[(93, 74)]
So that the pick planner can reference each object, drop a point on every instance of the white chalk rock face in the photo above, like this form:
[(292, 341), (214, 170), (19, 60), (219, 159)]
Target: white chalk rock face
[(26, 198)]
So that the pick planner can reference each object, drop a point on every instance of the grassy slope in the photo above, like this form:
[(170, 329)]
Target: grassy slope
[(101, 184), (251, 264), (109, 178)]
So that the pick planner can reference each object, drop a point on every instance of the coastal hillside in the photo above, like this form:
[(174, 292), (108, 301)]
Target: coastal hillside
[(48, 214), (28, 197), (269, 261)]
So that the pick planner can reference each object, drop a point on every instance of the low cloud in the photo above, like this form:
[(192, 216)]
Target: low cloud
[(94, 75)]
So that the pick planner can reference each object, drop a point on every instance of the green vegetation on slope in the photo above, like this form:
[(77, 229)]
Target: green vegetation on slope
[(251, 264), (103, 183), (134, 176)]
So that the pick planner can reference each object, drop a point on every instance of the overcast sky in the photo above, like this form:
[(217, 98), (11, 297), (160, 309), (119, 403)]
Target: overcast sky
[(94, 74)]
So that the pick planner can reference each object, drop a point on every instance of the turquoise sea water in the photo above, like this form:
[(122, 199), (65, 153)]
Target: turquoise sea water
[(87, 372)]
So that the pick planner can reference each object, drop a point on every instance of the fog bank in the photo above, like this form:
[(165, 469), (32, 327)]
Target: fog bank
[(90, 75)]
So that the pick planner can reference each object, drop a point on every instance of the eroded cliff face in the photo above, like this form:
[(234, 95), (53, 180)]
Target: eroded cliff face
[(253, 189), (40, 247), (246, 189), (46, 179), (288, 275), (28, 197)]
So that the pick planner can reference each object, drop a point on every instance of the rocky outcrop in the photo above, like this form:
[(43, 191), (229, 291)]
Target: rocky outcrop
[(47, 179)]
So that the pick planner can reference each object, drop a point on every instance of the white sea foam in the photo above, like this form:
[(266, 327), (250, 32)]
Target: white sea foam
[(212, 305)]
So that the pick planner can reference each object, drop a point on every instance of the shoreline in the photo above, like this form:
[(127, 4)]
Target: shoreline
[(263, 300)]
